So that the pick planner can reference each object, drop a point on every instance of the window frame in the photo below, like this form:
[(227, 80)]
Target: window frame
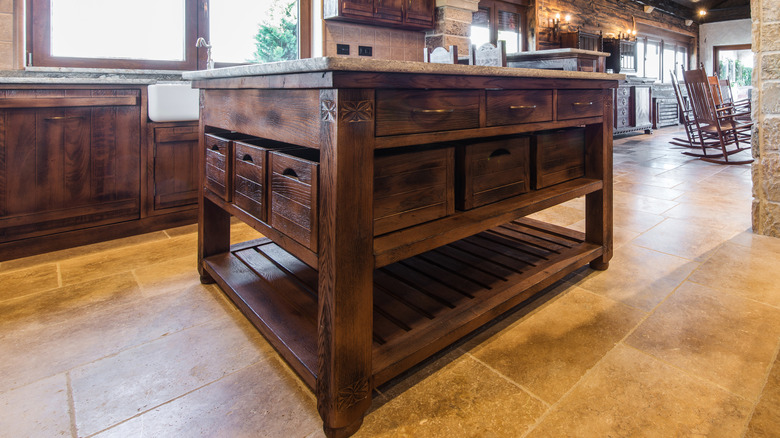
[(516, 6), (196, 24)]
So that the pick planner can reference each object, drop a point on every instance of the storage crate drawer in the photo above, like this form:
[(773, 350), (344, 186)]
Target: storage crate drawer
[(219, 159), (576, 104), (558, 156), (412, 187), (509, 107), (414, 111), (491, 171), (293, 199), (250, 183)]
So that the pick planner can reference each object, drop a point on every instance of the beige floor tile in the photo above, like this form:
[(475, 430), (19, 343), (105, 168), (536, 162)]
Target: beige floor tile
[(463, 399), (121, 386), (641, 203), (549, 353), (620, 236), (684, 238), (262, 400), (725, 339), (50, 333), (633, 220), (170, 275), (638, 277), (56, 256), (561, 215), (757, 241), (78, 269), (650, 180), (629, 394), (240, 232), (39, 409), (748, 272), (731, 215), (765, 422), (26, 281), (648, 190), (183, 230)]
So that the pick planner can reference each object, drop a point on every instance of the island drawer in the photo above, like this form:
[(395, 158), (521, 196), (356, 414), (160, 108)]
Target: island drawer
[(414, 111), (412, 187), (492, 170), (250, 182), (219, 158), (509, 107), (558, 156), (293, 195), (576, 104)]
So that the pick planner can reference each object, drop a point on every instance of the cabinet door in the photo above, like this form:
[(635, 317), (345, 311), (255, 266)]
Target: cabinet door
[(389, 10), (68, 168), (175, 166), (356, 8), (642, 110), (420, 12)]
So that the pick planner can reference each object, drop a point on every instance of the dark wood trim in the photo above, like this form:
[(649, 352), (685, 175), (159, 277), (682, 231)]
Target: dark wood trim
[(716, 54), (68, 102)]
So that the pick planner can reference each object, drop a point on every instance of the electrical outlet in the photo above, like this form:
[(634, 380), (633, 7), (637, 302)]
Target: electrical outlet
[(364, 51), (342, 49)]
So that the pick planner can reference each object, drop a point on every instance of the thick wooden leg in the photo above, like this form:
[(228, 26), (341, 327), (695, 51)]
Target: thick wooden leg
[(346, 261), (213, 234), (598, 205)]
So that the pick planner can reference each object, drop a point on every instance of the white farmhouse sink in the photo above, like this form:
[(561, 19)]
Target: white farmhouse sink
[(173, 102)]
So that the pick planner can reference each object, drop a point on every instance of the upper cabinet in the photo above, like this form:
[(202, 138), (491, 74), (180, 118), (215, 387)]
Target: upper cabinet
[(407, 14)]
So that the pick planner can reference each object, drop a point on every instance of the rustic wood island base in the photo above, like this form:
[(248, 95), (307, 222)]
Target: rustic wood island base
[(393, 197)]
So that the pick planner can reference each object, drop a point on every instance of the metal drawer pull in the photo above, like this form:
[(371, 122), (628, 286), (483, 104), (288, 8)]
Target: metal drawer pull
[(64, 117), (582, 103), (499, 152), (522, 107), (433, 111), (248, 158)]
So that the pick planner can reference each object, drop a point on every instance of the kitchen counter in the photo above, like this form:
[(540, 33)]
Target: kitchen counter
[(87, 76), (394, 210), (336, 64), (566, 59)]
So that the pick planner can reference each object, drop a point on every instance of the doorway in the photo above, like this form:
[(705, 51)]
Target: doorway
[(735, 63)]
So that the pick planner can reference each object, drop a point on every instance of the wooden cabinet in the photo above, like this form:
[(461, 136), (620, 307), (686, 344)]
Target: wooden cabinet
[(622, 55), (173, 177), (70, 160), (407, 14), (633, 110)]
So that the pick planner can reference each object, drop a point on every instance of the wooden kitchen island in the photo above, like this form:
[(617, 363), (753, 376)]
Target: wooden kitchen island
[(392, 196)]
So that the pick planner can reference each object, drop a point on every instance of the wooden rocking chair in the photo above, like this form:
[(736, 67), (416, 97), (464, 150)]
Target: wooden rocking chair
[(714, 124), (692, 134)]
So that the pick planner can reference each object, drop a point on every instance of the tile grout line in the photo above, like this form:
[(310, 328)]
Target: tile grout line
[(772, 364), (504, 377), (71, 406), (139, 414)]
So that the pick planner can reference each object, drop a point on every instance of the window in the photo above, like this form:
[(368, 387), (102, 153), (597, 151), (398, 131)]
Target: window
[(107, 33), (499, 20), (661, 51)]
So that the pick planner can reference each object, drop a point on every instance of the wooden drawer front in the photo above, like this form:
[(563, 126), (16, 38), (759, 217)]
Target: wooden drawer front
[(492, 171), (558, 156), (293, 205), (412, 188), (217, 157), (177, 133), (250, 181), (412, 111), (508, 107), (575, 104)]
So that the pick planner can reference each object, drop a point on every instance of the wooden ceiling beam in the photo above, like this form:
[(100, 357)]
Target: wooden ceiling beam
[(726, 14), (670, 7)]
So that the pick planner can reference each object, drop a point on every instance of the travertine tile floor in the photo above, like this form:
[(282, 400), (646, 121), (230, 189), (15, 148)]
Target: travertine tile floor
[(678, 338)]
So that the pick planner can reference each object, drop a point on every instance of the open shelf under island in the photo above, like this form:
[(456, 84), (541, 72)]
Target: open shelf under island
[(393, 198)]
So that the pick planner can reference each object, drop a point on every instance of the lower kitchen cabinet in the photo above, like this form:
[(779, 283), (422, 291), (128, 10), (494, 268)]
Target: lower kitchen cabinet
[(75, 167), (633, 109)]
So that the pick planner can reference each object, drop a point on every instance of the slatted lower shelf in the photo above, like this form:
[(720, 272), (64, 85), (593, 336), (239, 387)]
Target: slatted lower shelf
[(421, 304)]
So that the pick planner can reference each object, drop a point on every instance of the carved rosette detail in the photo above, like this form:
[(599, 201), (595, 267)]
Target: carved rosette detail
[(352, 394), (328, 110), (355, 112)]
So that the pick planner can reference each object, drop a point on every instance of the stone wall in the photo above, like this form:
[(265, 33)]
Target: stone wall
[(766, 116), (7, 44)]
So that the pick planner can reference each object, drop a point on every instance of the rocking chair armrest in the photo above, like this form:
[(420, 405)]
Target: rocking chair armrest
[(731, 116)]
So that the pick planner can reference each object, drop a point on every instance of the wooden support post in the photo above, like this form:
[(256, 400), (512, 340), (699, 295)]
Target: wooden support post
[(598, 205), (345, 310)]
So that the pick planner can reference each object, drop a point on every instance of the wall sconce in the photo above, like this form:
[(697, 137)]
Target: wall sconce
[(555, 23)]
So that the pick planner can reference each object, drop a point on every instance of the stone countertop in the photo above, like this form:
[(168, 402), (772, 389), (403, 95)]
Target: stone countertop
[(309, 65), (553, 53), (87, 76)]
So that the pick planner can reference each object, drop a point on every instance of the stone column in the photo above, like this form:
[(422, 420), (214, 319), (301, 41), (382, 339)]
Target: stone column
[(766, 116), (453, 25)]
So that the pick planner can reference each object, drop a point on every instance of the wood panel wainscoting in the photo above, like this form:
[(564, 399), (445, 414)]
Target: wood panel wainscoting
[(394, 220), (76, 168)]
